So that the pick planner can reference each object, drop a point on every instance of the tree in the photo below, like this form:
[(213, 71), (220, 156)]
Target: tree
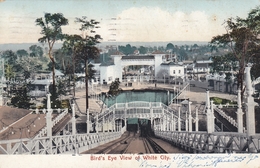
[(21, 53), (86, 48), (20, 97), (171, 47), (71, 44), (142, 50), (242, 38), (51, 30), (36, 51), (9, 72), (10, 57)]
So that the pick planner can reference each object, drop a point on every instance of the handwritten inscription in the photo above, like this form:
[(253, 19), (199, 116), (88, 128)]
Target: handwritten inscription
[(181, 160)]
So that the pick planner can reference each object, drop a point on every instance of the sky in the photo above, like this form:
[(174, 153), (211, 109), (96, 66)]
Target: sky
[(125, 20)]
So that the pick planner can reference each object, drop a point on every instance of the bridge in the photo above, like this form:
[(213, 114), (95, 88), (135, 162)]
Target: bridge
[(178, 126)]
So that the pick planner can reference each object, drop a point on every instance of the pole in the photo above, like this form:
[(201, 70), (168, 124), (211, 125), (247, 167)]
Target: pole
[(179, 118), (73, 120), (239, 112), (190, 117), (212, 123), (250, 103), (208, 113), (87, 121), (197, 120)]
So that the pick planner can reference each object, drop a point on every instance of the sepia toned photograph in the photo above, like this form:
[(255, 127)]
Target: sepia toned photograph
[(144, 83)]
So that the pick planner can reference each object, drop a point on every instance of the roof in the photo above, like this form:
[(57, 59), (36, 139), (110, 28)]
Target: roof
[(158, 52), (187, 62), (204, 61), (138, 57), (42, 82), (106, 64), (57, 73), (185, 102), (171, 63), (203, 65)]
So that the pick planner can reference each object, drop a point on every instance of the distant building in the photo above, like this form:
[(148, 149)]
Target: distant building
[(157, 61)]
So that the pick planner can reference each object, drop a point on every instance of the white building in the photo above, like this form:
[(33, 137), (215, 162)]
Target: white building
[(111, 71), (202, 66)]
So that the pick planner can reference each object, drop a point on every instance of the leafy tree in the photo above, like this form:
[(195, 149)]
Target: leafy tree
[(114, 88), (9, 72), (183, 55), (170, 46), (71, 44), (127, 50), (36, 51), (21, 98), (161, 48), (142, 50), (10, 57), (224, 63), (21, 53), (242, 38), (86, 49), (51, 30)]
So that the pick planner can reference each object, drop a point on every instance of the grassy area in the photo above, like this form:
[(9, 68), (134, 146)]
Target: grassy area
[(218, 101)]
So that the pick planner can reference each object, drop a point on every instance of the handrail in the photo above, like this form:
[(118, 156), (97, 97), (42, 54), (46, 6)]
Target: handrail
[(57, 119), (228, 118), (47, 145), (178, 93)]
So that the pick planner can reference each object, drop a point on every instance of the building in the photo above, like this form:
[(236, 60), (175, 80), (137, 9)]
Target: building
[(157, 62)]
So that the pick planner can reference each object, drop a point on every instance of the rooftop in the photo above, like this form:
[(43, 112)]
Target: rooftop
[(138, 57), (158, 52)]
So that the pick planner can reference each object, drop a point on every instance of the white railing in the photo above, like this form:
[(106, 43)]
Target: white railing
[(43, 131), (57, 144), (59, 117), (216, 142), (228, 118), (179, 93)]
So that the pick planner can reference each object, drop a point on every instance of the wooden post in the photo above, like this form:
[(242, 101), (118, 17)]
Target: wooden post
[(209, 122), (250, 103), (179, 118), (48, 101), (88, 125), (73, 120), (239, 112), (190, 117), (212, 124), (197, 120)]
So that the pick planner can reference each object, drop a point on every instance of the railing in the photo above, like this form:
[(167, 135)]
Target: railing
[(179, 93), (57, 144), (43, 131), (217, 142), (228, 118)]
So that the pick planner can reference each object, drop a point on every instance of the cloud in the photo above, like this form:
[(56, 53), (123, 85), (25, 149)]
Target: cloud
[(154, 24)]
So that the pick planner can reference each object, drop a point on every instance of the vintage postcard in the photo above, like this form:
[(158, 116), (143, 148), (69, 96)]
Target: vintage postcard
[(131, 83)]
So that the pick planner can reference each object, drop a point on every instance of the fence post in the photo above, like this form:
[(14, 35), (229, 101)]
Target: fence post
[(212, 124), (88, 125), (250, 103), (49, 127), (197, 120), (190, 117), (209, 113), (179, 118), (73, 120)]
